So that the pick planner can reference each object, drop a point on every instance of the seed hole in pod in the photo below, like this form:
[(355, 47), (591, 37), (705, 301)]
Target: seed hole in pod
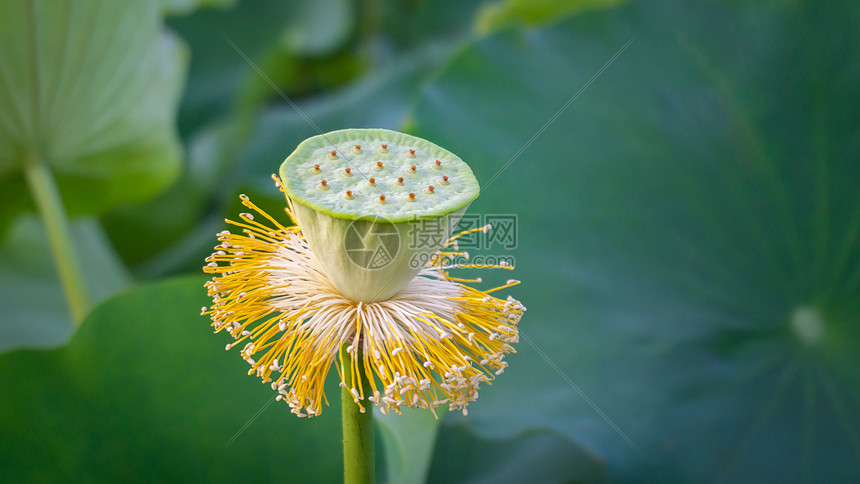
[(445, 180), (411, 197), (437, 165), (411, 154), (348, 195), (382, 199), (378, 166), (372, 181), (332, 155), (347, 172), (383, 148), (323, 185), (356, 149), (315, 170), (400, 181), (431, 189)]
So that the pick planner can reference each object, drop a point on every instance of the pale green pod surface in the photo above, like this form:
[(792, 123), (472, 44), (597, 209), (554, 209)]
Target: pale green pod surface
[(375, 205)]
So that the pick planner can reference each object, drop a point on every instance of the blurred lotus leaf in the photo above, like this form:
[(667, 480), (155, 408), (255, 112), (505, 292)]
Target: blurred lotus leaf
[(689, 232), (534, 456), (144, 389), (34, 313), (90, 89), (495, 15), (184, 7)]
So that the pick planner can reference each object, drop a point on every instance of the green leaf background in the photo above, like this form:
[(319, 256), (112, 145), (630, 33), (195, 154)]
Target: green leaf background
[(34, 309), (684, 175), (675, 220), (89, 89), (141, 393)]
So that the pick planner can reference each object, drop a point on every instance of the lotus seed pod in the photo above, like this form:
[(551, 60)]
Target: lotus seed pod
[(375, 205)]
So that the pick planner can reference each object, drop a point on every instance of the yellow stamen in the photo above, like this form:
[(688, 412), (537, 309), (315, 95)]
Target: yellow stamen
[(432, 344)]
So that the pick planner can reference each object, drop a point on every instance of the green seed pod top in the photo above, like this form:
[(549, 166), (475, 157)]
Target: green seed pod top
[(372, 174)]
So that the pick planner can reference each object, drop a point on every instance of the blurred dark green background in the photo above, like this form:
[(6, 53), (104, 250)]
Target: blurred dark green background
[(685, 177)]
